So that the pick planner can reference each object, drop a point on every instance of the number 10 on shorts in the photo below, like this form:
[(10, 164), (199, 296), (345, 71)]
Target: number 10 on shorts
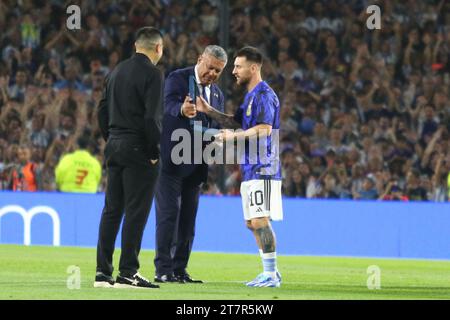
[(262, 198), (258, 197)]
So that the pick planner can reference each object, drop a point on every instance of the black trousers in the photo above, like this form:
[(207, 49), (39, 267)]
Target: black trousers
[(129, 192), (176, 210)]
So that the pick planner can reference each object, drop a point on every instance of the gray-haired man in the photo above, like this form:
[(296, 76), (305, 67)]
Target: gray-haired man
[(178, 187)]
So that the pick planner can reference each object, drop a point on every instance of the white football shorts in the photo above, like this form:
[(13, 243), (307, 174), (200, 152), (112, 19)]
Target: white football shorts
[(262, 198)]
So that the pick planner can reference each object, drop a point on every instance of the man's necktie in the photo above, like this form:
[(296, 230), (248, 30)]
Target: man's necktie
[(204, 95)]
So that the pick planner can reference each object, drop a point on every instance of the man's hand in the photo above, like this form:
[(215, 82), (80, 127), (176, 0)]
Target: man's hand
[(202, 105), (188, 109), (224, 135)]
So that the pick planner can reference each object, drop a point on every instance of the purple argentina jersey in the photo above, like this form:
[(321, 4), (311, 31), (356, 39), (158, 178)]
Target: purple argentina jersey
[(261, 157)]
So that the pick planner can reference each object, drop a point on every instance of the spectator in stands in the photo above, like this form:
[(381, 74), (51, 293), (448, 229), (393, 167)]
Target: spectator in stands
[(394, 192), (17, 91), (297, 185), (39, 135), (368, 190), (429, 124), (414, 191), (448, 186), (25, 173), (71, 80), (439, 182), (79, 171), (328, 191)]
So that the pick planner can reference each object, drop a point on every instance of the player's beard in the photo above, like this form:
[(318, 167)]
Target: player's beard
[(243, 81)]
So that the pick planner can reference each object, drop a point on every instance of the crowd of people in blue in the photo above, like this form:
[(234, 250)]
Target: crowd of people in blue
[(365, 114)]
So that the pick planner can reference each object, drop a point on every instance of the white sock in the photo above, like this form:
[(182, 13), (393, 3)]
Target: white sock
[(269, 261)]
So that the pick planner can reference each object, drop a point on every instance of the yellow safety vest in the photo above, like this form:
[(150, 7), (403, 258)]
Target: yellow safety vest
[(78, 172)]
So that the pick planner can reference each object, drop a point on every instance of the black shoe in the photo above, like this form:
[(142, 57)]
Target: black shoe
[(103, 281), (185, 277), (166, 278), (136, 281)]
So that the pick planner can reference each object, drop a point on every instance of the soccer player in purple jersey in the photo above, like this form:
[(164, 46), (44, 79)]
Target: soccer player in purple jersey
[(258, 116)]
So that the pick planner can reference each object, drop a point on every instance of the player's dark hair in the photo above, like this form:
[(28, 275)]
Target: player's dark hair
[(147, 37), (251, 54)]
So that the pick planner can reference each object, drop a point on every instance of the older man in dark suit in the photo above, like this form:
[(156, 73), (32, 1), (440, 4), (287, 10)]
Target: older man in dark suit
[(178, 187)]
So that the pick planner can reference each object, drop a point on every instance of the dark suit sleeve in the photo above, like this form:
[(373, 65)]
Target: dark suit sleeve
[(173, 94), (153, 106), (102, 111)]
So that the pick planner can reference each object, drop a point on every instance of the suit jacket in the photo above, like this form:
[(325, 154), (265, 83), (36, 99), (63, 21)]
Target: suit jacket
[(175, 91), (131, 105)]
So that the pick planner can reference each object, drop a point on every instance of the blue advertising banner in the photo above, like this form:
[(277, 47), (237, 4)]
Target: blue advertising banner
[(310, 227)]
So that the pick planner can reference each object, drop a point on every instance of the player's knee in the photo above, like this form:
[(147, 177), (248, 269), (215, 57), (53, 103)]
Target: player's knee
[(254, 225), (248, 224), (259, 223)]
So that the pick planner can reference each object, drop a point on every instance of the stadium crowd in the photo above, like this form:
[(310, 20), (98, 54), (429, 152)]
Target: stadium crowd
[(365, 113)]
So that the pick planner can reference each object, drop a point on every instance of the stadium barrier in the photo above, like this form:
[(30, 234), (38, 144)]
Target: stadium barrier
[(310, 227)]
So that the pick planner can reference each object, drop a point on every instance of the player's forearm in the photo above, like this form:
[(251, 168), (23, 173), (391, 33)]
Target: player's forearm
[(225, 120), (261, 130)]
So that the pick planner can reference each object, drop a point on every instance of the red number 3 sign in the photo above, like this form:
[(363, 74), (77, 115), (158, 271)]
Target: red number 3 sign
[(81, 175)]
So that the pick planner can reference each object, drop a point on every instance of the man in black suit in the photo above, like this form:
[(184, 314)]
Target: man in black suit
[(178, 187), (129, 116)]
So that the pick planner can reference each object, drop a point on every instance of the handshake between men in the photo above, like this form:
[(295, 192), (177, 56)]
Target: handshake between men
[(189, 110)]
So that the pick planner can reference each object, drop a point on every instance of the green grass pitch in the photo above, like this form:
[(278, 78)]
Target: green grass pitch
[(39, 272)]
